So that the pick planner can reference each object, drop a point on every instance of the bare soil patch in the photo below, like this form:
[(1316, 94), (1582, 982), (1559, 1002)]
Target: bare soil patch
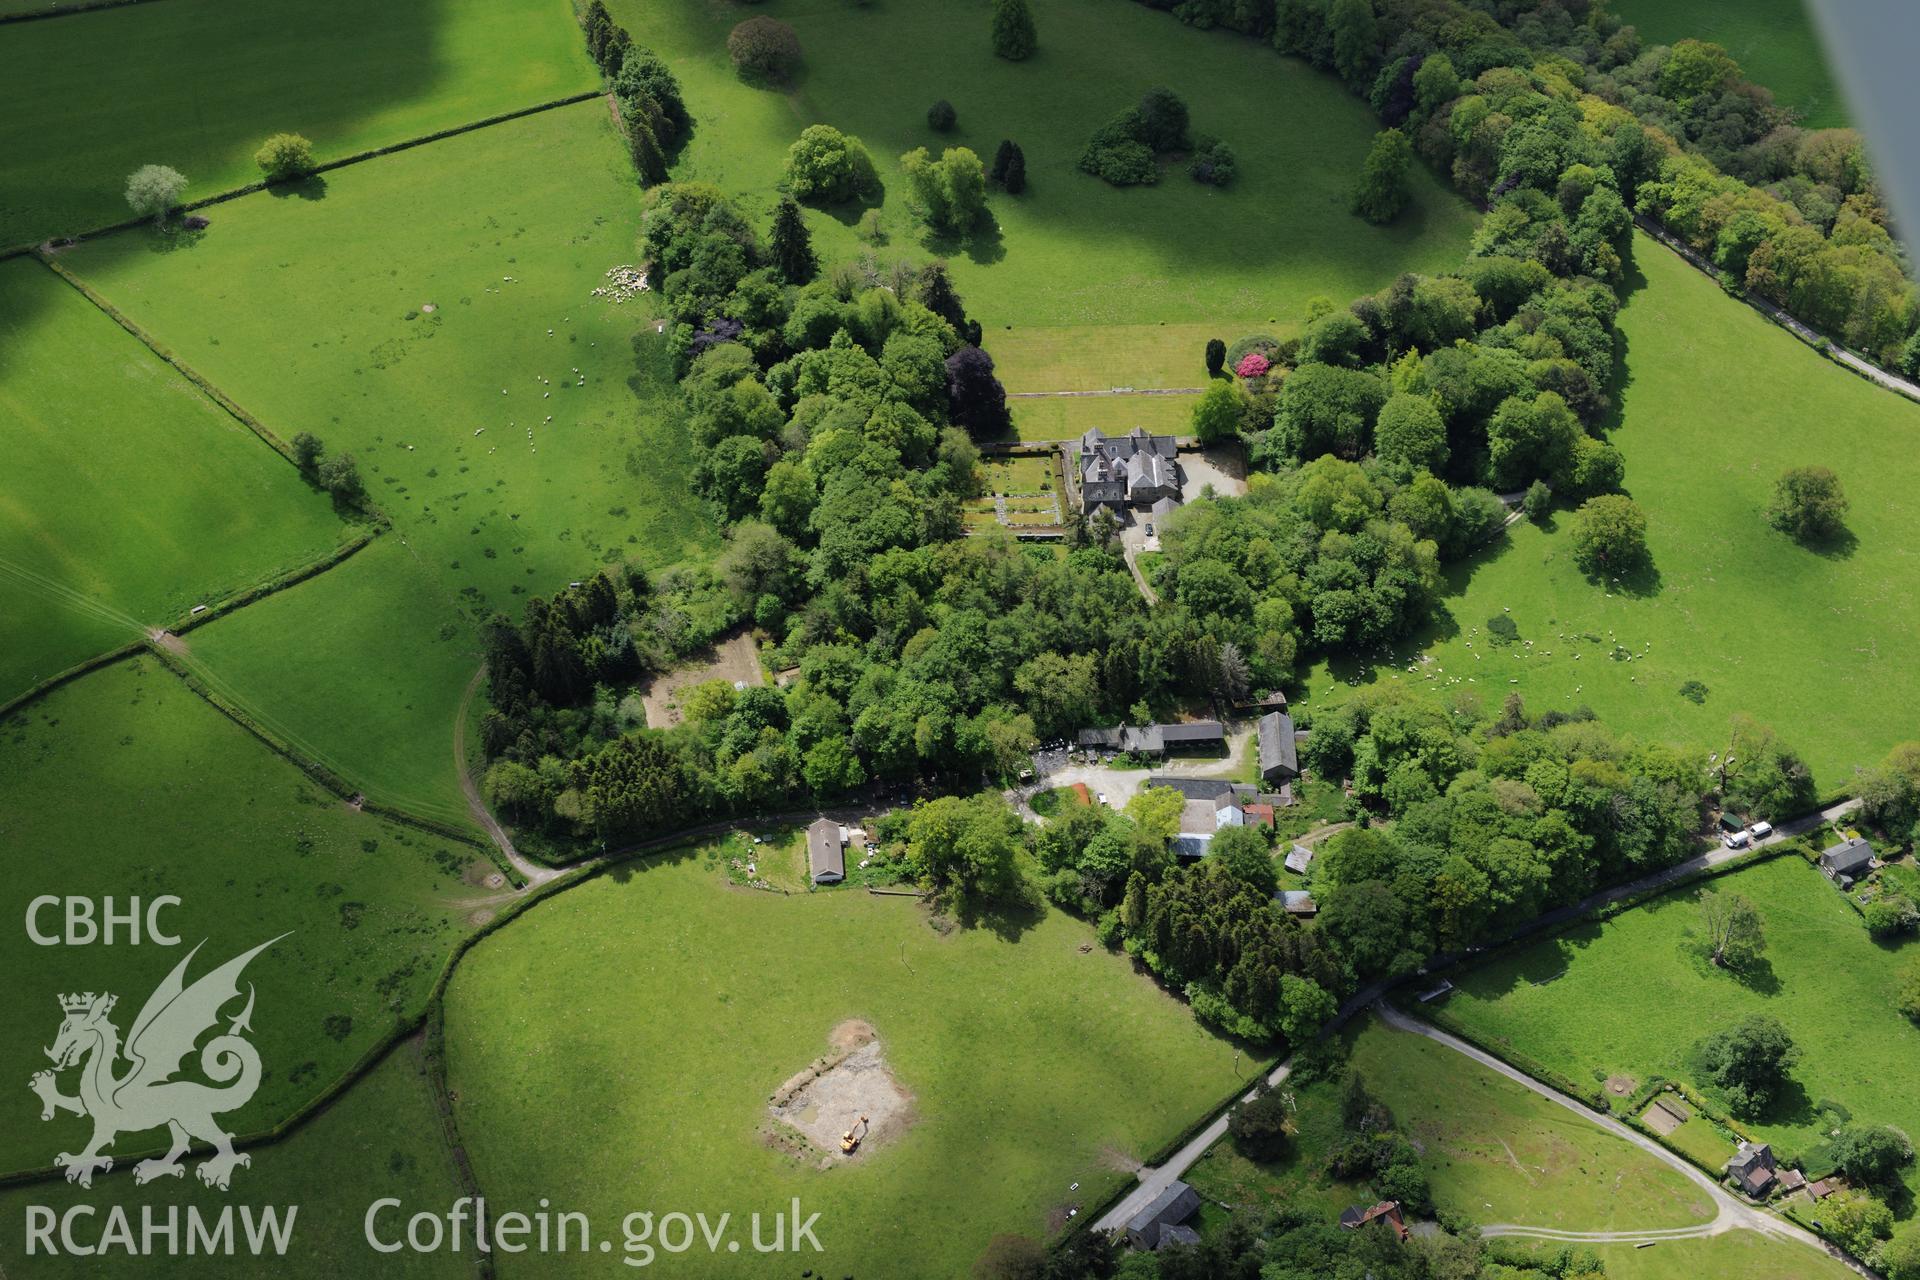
[(1661, 1120), (1620, 1086), (830, 1097), (735, 660)]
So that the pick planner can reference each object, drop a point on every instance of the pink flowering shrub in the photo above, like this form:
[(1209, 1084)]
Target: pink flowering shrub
[(1253, 365)]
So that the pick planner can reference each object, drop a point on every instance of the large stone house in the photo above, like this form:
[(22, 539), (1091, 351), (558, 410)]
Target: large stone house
[(1134, 470)]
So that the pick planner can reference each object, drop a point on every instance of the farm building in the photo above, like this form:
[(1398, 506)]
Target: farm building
[(1298, 902), (1200, 819), (1159, 1223), (1752, 1168), (1157, 739), (1279, 761), (1847, 861), (826, 852), (1299, 858)]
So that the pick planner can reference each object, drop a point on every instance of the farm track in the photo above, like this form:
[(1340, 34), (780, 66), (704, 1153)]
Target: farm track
[(533, 873), (1733, 1214), (1157, 1178)]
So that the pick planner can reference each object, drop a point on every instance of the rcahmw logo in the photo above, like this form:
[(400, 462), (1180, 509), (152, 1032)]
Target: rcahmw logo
[(146, 1094)]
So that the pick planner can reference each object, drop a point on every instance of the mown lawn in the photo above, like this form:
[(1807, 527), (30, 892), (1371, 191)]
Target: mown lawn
[(1823, 644), (1071, 253), (126, 783), (129, 497), (362, 668), (641, 1079), (198, 84), (1632, 997), (380, 1139), (1070, 417), (313, 315), (1774, 41)]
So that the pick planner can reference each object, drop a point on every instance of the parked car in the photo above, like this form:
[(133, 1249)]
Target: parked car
[(1760, 830), (1149, 528), (1736, 839)]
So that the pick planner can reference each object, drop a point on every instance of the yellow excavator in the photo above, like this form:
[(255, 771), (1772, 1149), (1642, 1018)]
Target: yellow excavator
[(850, 1140)]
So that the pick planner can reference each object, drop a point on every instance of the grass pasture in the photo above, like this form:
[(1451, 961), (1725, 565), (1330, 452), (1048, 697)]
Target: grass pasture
[(126, 783), (362, 668), (198, 84), (504, 232), (1031, 1064), (130, 496), (1745, 1254), (1823, 644), (1630, 996), (1494, 1151), (381, 1138), (1774, 41), (1105, 286)]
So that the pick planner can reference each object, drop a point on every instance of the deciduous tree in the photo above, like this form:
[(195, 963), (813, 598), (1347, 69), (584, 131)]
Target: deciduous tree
[(284, 156), (1809, 504), (1610, 536), (1383, 190), (1736, 935), (154, 189)]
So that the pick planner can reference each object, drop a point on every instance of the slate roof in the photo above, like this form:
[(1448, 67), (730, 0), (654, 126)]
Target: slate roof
[(1848, 858), (1170, 1208), (826, 857), (1278, 756), (1752, 1167)]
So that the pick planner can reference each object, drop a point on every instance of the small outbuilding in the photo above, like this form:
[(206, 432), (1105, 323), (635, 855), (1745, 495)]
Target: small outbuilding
[(1170, 1208), (1298, 902), (1847, 861), (826, 852), (1299, 858)]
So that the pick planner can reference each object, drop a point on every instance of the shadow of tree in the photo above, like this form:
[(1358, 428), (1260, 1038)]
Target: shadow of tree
[(311, 187)]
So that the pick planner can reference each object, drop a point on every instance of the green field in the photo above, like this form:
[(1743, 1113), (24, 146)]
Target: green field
[(197, 84), (505, 232), (126, 783), (1494, 1152), (615, 1048), (1734, 1253), (1498, 1152), (1822, 644), (381, 1138), (1774, 41), (362, 668), (1071, 253), (1070, 417), (130, 497), (1630, 997)]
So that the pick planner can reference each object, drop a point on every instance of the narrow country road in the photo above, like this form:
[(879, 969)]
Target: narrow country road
[(1734, 1214), (1156, 1179), (1866, 368)]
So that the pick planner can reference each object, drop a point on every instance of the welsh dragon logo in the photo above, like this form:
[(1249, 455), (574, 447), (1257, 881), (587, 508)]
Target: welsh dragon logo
[(146, 1096)]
